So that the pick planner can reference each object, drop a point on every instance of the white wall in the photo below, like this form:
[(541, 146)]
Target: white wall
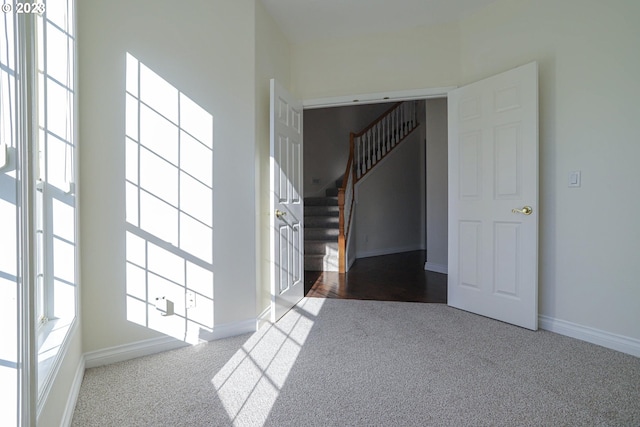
[(410, 59), (437, 187), (390, 201), (326, 142), (272, 61), (589, 89), (207, 51), (588, 62)]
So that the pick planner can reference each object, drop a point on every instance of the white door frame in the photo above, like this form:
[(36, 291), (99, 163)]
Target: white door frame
[(377, 98)]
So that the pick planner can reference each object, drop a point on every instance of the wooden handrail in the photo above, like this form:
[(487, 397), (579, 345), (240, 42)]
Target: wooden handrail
[(343, 230), (350, 172)]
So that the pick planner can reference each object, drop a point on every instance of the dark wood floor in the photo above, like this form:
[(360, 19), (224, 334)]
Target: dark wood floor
[(397, 277)]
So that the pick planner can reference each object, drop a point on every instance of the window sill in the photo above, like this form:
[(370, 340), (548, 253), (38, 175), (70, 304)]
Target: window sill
[(51, 337)]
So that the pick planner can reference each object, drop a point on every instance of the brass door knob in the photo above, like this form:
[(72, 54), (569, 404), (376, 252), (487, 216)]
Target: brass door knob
[(280, 214), (527, 210)]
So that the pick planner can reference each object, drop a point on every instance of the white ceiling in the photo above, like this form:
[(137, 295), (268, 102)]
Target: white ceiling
[(311, 20)]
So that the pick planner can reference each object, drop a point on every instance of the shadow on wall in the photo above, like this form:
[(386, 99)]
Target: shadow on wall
[(169, 208)]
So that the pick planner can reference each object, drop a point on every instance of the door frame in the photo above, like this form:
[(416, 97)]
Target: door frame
[(377, 97), (382, 97)]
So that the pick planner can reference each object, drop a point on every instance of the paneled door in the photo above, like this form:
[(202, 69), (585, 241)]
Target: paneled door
[(287, 232), (493, 197)]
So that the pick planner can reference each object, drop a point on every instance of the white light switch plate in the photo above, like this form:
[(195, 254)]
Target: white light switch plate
[(575, 178)]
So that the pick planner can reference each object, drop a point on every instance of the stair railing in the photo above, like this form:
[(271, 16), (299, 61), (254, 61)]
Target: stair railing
[(366, 149), (345, 205), (378, 139)]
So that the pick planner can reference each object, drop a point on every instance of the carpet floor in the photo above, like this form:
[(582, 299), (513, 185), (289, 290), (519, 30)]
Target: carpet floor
[(332, 362)]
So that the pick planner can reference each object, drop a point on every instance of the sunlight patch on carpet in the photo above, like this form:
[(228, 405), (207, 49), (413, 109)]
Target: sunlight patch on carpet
[(249, 384)]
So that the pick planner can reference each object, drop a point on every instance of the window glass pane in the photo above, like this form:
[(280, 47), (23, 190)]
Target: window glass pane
[(59, 56), (63, 221), (59, 12), (59, 105), (58, 163), (64, 260)]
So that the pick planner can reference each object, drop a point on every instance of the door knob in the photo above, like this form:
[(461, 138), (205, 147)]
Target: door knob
[(280, 214), (527, 210)]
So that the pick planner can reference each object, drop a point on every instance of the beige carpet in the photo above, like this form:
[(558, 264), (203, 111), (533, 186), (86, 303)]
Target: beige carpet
[(368, 363)]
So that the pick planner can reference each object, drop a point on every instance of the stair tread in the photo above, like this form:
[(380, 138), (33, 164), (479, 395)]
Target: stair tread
[(321, 201)]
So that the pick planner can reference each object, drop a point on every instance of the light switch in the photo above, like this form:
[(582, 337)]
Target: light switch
[(574, 179)]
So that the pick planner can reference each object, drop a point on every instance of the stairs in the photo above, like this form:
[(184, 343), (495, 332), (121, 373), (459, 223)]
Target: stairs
[(321, 227)]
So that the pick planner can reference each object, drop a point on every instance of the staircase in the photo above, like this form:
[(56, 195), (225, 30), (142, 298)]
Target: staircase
[(321, 221), (328, 220)]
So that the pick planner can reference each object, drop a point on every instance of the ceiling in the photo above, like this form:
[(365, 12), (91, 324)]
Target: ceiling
[(305, 21)]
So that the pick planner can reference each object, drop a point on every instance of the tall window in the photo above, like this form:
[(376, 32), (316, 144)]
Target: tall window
[(38, 245), (9, 361), (55, 204)]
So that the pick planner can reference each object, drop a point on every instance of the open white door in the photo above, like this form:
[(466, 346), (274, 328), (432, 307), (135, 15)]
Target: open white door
[(287, 232), (493, 197)]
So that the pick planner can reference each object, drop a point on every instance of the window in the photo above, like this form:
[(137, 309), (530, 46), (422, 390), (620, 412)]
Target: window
[(55, 198), (37, 199)]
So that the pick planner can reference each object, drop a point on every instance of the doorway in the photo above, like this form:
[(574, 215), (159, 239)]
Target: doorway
[(400, 272)]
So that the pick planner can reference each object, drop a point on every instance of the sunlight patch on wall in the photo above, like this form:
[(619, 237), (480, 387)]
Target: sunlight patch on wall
[(250, 382), (169, 207)]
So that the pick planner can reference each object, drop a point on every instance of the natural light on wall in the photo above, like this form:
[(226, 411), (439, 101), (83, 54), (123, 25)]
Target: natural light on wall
[(169, 207)]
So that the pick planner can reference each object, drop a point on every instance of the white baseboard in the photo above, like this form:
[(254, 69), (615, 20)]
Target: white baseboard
[(234, 328), (595, 336), (264, 318), (124, 352), (74, 392), (438, 268), (388, 251)]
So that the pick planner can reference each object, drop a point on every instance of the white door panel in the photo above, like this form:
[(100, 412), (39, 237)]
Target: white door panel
[(493, 169), (287, 284)]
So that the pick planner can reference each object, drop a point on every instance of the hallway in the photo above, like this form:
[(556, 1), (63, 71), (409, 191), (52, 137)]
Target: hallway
[(395, 277)]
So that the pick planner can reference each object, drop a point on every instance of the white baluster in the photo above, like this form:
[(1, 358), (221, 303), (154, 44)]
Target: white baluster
[(389, 131), (404, 119), (363, 161), (356, 155), (396, 124), (385, 134), (413, 114), (378, 142), (382, 138), (368, 149), (393, 127)]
